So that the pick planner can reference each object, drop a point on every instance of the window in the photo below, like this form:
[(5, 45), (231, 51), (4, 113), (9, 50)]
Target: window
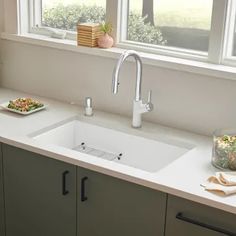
[(182, 24), (201, 30), (65, 15)]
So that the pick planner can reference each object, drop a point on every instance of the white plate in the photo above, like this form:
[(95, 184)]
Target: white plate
[(5, 107)]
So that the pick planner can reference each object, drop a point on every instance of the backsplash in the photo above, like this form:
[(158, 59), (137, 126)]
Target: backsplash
[(183, 100)]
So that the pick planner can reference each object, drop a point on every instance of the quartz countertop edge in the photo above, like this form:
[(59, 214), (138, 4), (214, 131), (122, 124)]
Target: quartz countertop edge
[(181, 178)]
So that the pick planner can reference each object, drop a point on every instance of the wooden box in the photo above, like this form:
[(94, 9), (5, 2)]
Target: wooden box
[(88, 33)]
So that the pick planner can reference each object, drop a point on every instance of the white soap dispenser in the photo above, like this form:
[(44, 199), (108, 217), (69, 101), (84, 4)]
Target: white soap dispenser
[(88, 106)]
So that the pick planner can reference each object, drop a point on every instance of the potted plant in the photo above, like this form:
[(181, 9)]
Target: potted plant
[(106, 41)]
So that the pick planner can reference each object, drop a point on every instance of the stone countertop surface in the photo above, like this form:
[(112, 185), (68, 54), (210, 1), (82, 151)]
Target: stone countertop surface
[(181, 177)]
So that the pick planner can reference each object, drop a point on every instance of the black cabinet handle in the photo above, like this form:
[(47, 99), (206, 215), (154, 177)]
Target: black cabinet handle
[(180, 216), (83, 194), (64, 191)]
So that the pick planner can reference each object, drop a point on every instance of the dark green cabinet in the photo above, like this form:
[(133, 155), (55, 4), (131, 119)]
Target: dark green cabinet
[(40, 194), (109, 206), (186, 218), (2, 223)]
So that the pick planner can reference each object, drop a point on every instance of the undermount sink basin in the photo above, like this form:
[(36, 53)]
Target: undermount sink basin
[(116, 146)]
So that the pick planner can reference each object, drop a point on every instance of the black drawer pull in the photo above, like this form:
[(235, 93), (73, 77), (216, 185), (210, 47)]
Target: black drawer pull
[(64, 191), (180, 216), (83, 196)]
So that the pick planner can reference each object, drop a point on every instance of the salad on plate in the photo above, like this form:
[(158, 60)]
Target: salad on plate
[(24, 105)]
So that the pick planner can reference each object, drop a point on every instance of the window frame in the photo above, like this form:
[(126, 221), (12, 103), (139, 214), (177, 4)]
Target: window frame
[(35, 21), (35, 13), (228, 58), (216, 37), (117, 14)]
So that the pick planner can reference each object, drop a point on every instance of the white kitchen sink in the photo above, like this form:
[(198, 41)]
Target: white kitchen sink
[(112, 145)]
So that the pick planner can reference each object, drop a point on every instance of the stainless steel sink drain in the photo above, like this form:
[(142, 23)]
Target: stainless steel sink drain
[(83, 148)]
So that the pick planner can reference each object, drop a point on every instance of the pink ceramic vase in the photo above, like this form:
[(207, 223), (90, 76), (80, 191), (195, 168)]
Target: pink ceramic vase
[(105, 41)]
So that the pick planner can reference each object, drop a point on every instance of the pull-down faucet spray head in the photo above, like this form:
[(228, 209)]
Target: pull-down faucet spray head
[(116, 73)]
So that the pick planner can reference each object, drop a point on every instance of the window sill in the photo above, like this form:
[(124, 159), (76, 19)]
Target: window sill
[(203, 68)]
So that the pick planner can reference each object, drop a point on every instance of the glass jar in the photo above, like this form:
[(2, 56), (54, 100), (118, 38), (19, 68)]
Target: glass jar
[(224, 149)]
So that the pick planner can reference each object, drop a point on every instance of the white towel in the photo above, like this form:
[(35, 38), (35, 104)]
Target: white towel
[(222, 182)]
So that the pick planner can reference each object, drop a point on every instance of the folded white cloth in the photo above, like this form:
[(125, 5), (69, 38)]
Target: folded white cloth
[(222, 183)]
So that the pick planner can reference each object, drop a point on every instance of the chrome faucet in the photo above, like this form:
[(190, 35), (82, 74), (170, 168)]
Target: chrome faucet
[(138, 106)]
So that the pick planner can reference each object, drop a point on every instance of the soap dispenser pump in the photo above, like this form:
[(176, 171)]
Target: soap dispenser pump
[(88, 106)]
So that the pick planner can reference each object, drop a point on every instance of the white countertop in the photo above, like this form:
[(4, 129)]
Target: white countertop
[(181, 178)]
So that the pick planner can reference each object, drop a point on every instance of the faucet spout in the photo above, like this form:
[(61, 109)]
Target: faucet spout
[(116, 73), (138, 106)]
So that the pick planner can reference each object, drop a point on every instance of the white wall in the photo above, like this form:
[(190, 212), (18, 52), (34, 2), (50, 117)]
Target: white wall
[(1, 15), (1, 29), (183, 100)]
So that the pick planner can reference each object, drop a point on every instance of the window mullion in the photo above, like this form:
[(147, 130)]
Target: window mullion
[(38, 12), (230, 29), (31, 14), (112, 16), (124, 11), (216, 41), (23, 16), (35, 9)]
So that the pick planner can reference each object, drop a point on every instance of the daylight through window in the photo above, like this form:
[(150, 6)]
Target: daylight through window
[(182, 24), (65, 14)]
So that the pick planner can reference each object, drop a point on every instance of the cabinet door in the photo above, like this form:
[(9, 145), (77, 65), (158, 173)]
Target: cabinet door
[(2, 224), (112, 207), (40, 194), (186, 218)]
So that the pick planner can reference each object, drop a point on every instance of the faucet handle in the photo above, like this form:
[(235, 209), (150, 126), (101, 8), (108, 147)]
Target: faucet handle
[(149, 105)]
